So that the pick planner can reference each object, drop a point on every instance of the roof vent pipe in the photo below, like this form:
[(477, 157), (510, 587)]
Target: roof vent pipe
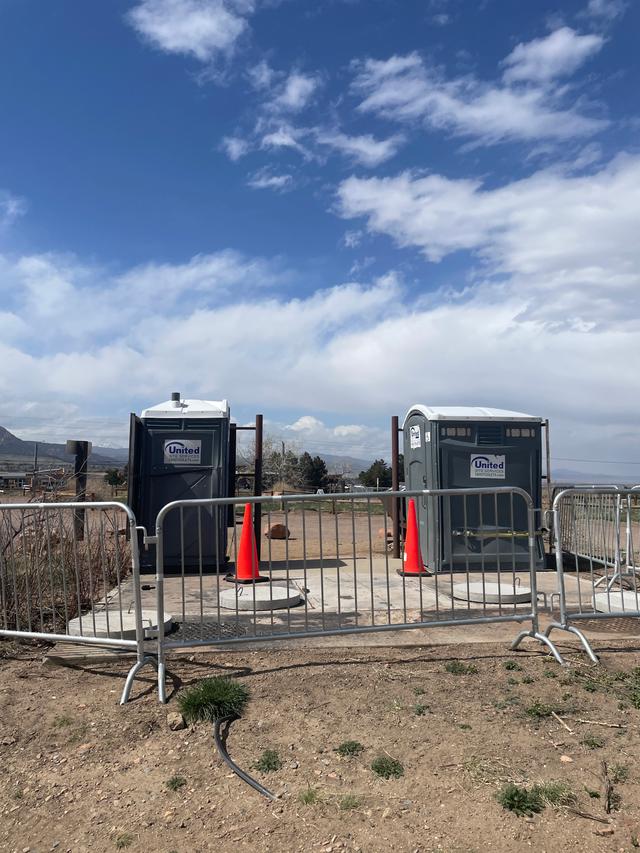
[(175, 399)]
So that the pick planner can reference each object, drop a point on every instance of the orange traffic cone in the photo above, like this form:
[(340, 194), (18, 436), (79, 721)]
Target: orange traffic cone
[(412, 565), (247, 564)]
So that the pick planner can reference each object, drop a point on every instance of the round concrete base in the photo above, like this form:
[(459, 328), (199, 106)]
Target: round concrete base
[(492, 593), (120, 627), (617, 601), (260, 598)]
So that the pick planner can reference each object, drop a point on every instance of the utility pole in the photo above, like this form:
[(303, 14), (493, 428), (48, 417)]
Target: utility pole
[(34, 478)]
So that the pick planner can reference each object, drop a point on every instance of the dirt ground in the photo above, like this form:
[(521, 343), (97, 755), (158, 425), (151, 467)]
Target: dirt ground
[(81, 773)]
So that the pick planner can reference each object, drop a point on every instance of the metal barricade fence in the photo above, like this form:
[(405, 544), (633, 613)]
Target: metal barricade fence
[(597, 536), (69, 572), (331, 574)]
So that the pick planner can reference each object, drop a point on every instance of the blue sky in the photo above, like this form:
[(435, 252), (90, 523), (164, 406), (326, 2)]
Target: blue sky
[(323, 211)]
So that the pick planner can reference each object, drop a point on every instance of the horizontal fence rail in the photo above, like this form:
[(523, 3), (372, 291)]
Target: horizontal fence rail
[(64, 569), (597, 546), (326, 570)]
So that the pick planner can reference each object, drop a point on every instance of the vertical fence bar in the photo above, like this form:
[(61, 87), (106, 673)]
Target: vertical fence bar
[(395, 486)]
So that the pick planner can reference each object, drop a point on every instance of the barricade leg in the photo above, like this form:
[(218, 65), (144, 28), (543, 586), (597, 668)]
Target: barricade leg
[(162, 686), (135, 669), (542, 638), (573, 630)]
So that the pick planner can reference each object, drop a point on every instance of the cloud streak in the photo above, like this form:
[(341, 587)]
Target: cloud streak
[(404, 89)]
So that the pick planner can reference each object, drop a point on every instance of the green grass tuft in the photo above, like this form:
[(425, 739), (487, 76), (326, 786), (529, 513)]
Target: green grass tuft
[(539, 711), (309, 797), (456, 667), (529, 801), (519, 800), (386, 767), (268, 762), (619, 773), (593, 742), (213, 699), (349, 802), (350, 748), (555, 793), (175, 783)]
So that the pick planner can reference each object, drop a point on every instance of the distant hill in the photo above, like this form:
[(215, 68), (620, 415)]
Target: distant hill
[(567, 475), (345, 464), (17, 453)]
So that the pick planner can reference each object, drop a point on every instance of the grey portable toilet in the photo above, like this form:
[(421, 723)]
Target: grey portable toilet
[(459, 447), (180, 450)]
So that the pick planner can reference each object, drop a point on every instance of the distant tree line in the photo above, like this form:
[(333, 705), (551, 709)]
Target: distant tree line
[(378, 476), (303, 471)]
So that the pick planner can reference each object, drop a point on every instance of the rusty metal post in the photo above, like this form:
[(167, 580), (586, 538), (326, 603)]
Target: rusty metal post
[(395, 485), (257, 483)]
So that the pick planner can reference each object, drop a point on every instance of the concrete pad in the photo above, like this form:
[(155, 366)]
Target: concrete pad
[(492, 593), (115, 624), (260, 598), (617, 601)]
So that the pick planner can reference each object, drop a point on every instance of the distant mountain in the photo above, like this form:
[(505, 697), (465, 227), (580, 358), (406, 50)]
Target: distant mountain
[(337, 464), (14, 452), (567, 475)]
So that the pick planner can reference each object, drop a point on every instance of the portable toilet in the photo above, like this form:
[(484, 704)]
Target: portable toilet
[(180, 450), (461, 447)]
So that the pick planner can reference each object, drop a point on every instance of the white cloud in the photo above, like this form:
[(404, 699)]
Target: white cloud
[(213, 328), (352, 239), (560, 53), (262, 75), (359, 440), (200, 28), (43, 287), (295, 92), (263, 179), (365, 149), (11, 208), (565, 242), (605, 9), (402, 88), (284, 136), (235, 147)]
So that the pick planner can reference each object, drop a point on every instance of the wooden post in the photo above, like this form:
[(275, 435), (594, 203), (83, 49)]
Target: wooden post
[(257, 483), (395, 485), (81, 451)]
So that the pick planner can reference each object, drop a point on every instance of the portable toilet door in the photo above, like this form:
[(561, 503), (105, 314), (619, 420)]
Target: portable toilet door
[(473, 447), (179, 450)]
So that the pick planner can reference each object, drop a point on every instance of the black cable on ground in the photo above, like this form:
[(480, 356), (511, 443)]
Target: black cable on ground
[(220, 738)]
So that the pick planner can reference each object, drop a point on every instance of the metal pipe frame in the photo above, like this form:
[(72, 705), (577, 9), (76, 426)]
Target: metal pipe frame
[(166, 644), (142, 658), (566, 616)]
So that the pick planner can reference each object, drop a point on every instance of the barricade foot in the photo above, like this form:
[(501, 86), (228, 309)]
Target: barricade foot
[(572, 630), (536, 635), (135, 669), (162, 687)]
